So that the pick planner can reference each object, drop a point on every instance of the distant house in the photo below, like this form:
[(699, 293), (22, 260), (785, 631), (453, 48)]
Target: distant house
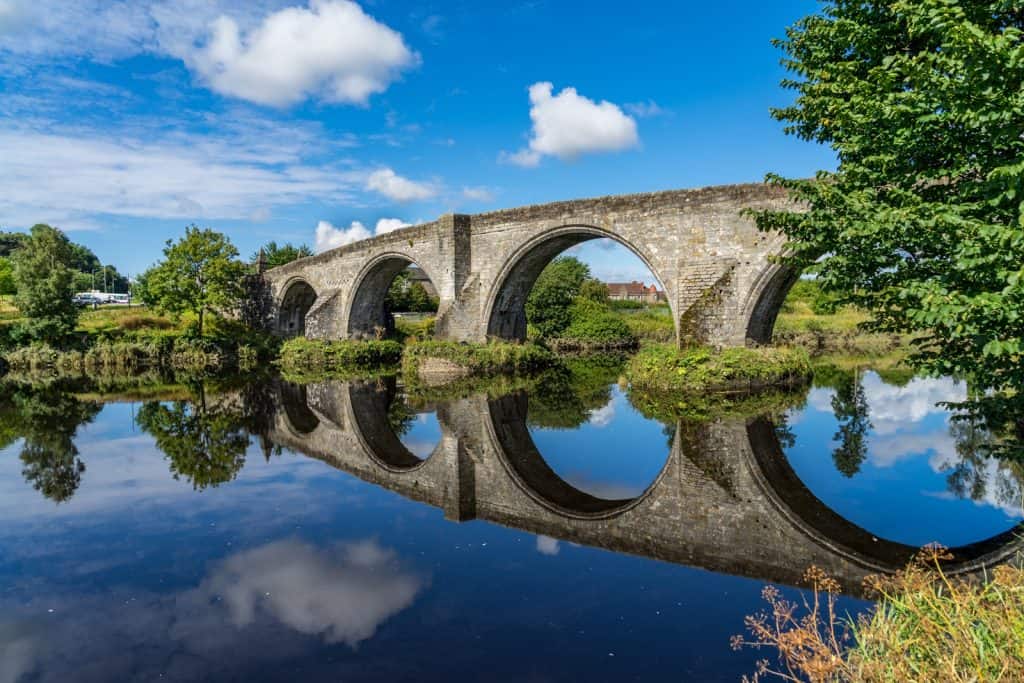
[(635, 291)]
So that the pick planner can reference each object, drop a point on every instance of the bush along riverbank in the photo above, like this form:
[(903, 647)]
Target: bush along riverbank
[(439, 362), (666, 369), (593, 327), (302, 356), (926, 626)]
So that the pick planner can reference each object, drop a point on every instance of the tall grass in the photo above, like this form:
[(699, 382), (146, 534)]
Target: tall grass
[(927, 626)]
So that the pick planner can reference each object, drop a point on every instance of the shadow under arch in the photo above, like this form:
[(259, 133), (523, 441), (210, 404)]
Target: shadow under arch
[(299, 418), (790, 496), (298, 298), (368, 314), (370, 404), (531, 472), (506, 304), (767, 296)]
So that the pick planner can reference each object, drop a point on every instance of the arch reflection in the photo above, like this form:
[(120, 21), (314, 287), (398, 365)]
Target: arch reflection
[(726, 499)]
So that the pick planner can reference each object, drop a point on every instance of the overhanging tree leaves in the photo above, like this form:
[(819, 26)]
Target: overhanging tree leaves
[(923, 102), (200, 274), (275, 254)]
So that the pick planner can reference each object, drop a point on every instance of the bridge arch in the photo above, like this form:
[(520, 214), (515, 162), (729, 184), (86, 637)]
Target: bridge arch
[(299, 418), (368, 316), (505, 309), (534, 476), (765, 300), (788, 494), (371, 409), (297, 300)]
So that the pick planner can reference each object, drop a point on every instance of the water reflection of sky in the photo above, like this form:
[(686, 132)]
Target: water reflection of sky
[(423, 435), (616, 454), (295, 569), (901, 491)]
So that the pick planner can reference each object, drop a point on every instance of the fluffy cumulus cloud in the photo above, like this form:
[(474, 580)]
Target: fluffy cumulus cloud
[(257, 50), (568, 125), (331, 49), (386, 225), (330, 237), (396, 188)]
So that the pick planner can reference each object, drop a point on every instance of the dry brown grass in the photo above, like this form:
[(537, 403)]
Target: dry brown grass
[(927, 626)]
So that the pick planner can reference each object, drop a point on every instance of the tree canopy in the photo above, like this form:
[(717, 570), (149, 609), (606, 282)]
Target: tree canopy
[(549, 303), (7, 285), (200, 273), (278, 255), (921, 222), (44, 281)]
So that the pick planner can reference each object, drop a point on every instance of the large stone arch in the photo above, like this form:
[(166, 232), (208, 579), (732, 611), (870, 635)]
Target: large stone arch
[(765, 300), (528, 468), (368, 316), (787, 493), (505, 312), (296, 301)]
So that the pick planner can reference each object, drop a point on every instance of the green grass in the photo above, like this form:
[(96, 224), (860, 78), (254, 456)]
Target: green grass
[(301, 356), (494, 358), (664, 368)]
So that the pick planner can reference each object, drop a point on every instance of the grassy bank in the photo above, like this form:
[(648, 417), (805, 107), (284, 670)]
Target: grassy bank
[(666, 369), (442, 361), (926, 626), (301, 356)]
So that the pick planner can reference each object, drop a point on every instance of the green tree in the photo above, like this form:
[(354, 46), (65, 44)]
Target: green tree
[(43, 278), (548, 307), (10, 241), (594, 290), (921, 222), (7, 285), (200, 274), (278, 255), (206, 444)]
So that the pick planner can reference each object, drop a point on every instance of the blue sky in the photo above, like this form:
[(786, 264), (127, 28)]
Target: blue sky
[(325, 121)]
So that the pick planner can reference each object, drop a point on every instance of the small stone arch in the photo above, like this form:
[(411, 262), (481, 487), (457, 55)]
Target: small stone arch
[(368, 316), (371, 403), (506, 304), (299, 419), (295, 304)]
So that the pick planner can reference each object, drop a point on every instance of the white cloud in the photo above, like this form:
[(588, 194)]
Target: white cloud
[(330, 237), (342, 596), (568, 125), (386, 225), (395, 187), (477, 194), (332, 49), (68, 176), (644, 110), (602, 417), (547, 545)]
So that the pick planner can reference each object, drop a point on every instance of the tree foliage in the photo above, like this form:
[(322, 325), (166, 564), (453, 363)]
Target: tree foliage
[(921, 223), (205, 444), (44, 278), (279, 255), (7, 285), (200, 274), (409, 296), (548, 307)]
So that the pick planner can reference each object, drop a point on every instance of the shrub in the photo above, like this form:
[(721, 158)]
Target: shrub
[(479, 359), (593, 325), (301, 354)]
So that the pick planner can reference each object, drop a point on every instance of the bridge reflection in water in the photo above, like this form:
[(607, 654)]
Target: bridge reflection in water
[(726, 499)]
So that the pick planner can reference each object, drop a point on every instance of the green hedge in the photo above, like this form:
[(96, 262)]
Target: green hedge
[(302, 355), (494, 358)]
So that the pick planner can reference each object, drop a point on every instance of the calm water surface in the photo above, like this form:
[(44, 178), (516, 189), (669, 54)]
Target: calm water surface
[(346, 531)]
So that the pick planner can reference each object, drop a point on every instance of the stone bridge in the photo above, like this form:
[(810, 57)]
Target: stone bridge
[(713, 263), (726, 499)]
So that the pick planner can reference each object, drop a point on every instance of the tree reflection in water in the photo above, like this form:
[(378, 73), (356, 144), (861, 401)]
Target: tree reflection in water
[(47, 419), (850, 405), (205, 440)]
